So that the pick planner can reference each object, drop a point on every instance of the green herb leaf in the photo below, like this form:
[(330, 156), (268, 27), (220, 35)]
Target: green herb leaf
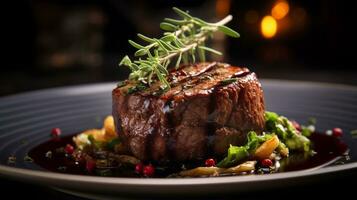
[(125, 61), (141, 52), (134, 44), (175, 21), (167, 26), (161, 77), (201, 22), (210, 50), (201, 53), (182, 13), (145, 38), (228, 31), (178, 61), (168, 38)]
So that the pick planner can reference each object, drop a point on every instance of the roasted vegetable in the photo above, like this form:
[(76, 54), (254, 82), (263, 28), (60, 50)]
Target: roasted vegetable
[(216, 171), (98, 138), (267, 148)]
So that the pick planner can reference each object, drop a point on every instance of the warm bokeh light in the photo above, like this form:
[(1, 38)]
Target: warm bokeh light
[(268, 27), (280, 9), (222, 8)]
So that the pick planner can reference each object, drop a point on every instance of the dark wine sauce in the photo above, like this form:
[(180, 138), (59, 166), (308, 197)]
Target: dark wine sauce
[(50, 156)]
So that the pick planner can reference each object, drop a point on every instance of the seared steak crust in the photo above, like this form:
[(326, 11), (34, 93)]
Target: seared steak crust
[(198, 116)]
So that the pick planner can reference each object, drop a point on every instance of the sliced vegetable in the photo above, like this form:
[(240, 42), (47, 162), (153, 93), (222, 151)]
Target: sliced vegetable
[(215, 171), (109, 127), (267, 148), (244, 167), (104, 137), (202, 171)]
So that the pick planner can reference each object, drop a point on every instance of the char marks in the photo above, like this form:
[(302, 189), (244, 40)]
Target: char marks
[(199, 115)]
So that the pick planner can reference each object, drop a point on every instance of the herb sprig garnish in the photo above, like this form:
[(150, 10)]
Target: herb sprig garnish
[(184, 39)]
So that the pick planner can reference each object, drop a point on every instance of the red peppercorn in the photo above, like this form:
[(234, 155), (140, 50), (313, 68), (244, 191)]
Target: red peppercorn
[(210, 162), (90, 165), (148, 170), (139, 168), (69, 149), (296, 125), (266, 162), (56, 132), (337, 132)]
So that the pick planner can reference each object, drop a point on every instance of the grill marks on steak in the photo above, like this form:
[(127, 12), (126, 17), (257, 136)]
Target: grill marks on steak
[(197, 116)]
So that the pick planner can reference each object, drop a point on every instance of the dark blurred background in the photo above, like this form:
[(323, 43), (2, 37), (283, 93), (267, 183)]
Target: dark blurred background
[(66, 42)]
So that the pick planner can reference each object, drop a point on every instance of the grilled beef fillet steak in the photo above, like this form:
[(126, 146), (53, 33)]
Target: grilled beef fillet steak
[(203, 113)]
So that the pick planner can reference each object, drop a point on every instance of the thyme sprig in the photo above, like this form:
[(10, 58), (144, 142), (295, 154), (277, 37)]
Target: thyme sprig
[(183, 38)]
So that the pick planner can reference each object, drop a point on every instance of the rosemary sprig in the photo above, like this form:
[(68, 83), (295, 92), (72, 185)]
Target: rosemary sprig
[(183, 38)]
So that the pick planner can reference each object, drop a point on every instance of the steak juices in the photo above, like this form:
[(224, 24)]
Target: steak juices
[(208, 107)]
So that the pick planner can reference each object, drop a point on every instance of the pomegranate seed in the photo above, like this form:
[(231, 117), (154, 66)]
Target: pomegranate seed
[(296, 125), (139, 168), (69, 149), (56, 132), (210, 162), (148, 170), (90, 165), (337, 132), (266, 162)]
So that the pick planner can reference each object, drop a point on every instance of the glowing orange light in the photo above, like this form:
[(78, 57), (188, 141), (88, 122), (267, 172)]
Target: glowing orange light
[(222, 8), (280, 10), (268, 27)]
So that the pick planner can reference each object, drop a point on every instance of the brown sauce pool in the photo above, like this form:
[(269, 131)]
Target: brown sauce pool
[(51, 157)]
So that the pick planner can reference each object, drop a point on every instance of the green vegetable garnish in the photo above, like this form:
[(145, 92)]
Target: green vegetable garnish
[(236, 154), (289, 137), (286, 132), (183, 38)]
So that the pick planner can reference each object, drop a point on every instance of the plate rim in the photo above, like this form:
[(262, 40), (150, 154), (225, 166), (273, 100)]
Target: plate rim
[(18, 173), (13, 172)]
